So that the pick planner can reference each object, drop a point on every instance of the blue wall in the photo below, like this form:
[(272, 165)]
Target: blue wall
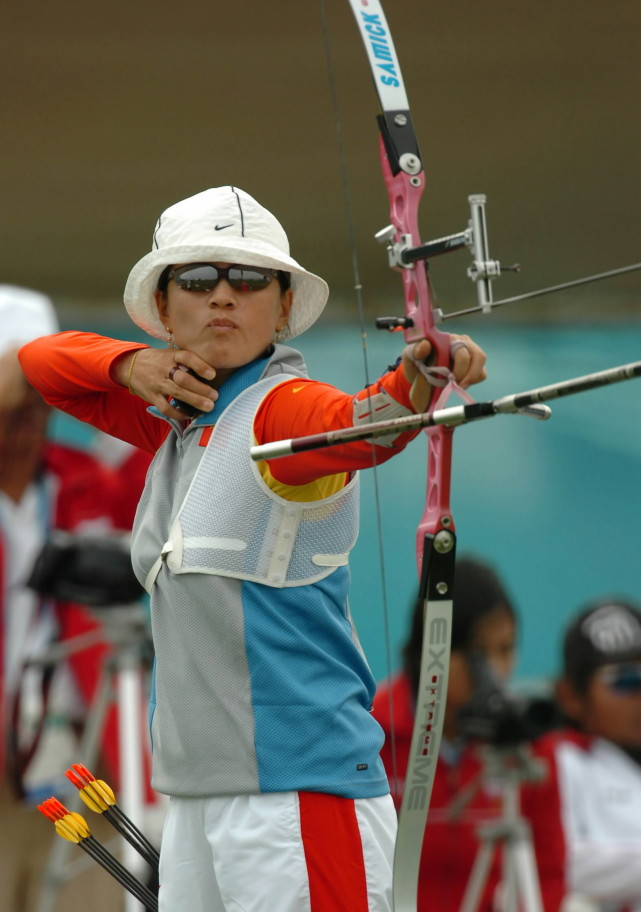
[(554, 505)]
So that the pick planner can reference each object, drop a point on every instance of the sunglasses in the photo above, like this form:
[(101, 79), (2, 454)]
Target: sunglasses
[(622, 679), (205, 277)]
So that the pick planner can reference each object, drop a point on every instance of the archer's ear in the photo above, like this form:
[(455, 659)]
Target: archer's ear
[(161, 303), (570, 701), (287, 299)]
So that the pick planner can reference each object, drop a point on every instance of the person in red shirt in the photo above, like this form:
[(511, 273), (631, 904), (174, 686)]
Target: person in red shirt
[(44, 486), (484, 623)]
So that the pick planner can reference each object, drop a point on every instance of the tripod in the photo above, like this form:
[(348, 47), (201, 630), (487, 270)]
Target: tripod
[(521, 889), (125, 629)]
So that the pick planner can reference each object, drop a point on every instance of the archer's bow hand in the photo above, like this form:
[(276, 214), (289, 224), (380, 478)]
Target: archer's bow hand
[(467, 366)]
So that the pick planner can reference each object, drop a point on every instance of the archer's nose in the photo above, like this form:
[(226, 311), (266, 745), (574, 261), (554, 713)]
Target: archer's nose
[(222, 295)]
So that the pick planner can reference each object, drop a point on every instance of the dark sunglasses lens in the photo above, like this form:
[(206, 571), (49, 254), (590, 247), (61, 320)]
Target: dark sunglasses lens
[(205, 277), (626, 680), (201, 277), (245, 278)]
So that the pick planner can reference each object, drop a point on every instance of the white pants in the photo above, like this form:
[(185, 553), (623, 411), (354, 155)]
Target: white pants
[(278, 852)]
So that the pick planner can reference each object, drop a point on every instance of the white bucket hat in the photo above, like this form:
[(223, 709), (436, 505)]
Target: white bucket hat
[(24, 315), (227, 225)]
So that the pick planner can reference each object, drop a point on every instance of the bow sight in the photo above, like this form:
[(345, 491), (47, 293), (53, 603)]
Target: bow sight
[(402, 255)]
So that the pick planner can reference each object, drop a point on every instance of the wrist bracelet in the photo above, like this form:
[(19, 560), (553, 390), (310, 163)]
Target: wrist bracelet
[(131, 370)]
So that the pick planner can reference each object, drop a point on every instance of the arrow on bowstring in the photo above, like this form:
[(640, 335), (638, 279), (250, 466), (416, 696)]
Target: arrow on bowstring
[(525, 403)]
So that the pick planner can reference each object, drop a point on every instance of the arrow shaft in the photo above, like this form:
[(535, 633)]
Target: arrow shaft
[(452, 416)]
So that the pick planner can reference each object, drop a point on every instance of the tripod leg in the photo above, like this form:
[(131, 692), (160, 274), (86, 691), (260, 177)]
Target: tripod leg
[(509, 887), (478, 877), (130, 701), (527, 875), (57, 871)]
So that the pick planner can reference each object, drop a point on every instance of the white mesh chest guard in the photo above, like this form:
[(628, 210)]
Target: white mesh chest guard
[(232, 524)]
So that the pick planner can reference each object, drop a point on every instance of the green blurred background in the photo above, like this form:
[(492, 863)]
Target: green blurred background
[(111, 113)]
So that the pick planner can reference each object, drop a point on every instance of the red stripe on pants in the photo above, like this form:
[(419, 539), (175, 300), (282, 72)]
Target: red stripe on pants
[(333, 852)]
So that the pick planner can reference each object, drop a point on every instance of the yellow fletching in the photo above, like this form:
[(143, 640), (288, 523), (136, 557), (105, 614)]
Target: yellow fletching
[(96, 796), (104, 790), (91, 802), (66, 832), (78, 823)]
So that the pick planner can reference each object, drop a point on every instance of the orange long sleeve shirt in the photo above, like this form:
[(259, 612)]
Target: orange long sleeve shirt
[(72, 371)]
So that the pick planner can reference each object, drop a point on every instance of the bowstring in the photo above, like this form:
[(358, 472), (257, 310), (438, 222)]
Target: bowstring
[(360, 309)]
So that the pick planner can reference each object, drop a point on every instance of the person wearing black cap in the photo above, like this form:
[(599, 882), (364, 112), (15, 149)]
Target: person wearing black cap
[(586, 816)]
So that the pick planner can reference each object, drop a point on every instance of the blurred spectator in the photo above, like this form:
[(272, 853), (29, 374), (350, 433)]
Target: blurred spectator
[(484, 632), (43, 486), (586, 816), (129, 464)]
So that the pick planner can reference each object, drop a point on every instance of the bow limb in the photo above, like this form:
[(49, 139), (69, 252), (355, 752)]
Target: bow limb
[(435, 553), (435, 541)]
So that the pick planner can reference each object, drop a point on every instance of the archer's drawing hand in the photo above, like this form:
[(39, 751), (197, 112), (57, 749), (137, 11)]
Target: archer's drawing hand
[(159, 375), (467, 364)]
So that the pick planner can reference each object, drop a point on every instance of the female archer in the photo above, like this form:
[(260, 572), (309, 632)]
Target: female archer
[(261, 707)]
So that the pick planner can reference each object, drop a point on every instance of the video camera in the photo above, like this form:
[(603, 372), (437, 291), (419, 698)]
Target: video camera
[(500, 719), (93, 570)]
